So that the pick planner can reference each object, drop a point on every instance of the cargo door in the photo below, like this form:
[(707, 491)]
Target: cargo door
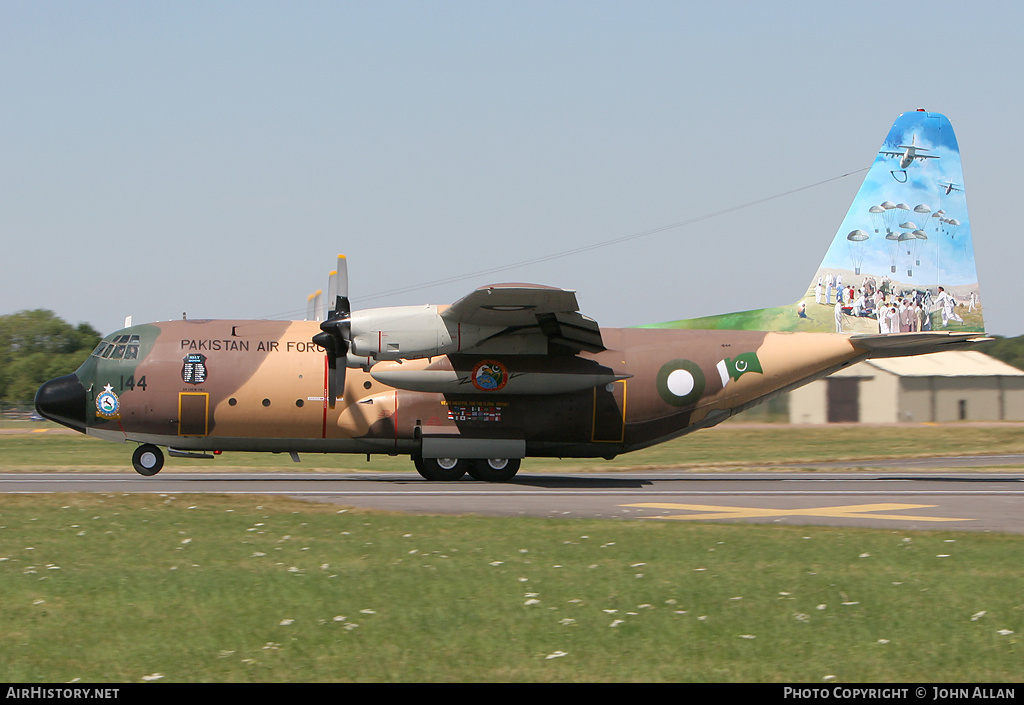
[(193, 413)]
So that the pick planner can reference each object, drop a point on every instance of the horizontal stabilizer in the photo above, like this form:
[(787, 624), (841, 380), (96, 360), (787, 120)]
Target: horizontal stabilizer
[(896, 344)]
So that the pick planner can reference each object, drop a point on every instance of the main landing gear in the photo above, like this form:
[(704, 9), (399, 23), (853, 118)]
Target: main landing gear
[(147, 459), (484, 469)]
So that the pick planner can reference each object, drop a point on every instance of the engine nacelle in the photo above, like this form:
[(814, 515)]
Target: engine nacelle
[(410, 333)]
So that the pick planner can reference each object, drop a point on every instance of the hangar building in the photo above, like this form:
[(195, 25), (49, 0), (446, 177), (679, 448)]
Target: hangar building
[(945, 386)]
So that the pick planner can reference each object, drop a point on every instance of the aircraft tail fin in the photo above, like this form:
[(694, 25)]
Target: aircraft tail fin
[(906, 239)]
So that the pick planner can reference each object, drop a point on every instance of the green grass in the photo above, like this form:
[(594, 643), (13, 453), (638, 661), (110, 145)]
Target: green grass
[(729, 445), (115, 588), (122, 588)]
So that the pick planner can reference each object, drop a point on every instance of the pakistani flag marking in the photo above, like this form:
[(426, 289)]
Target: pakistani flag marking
[(736, 367)]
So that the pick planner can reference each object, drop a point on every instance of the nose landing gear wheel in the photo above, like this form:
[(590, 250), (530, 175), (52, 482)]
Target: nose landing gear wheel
[(147, 460), (494, 469), (441, 469)]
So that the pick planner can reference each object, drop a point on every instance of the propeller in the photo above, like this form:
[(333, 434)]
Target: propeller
[(313, 310), (336, 332)]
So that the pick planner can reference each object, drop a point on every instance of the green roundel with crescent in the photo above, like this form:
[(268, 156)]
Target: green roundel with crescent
[(680, 382)]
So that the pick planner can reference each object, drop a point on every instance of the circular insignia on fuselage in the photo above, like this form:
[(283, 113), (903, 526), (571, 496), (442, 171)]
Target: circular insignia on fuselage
[(680, 382), (107, 404), (489, 376)]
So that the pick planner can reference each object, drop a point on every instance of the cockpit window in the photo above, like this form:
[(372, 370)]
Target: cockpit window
[(121, 347)]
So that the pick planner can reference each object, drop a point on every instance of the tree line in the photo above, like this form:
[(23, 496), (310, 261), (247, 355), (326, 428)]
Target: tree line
[(36, 346)]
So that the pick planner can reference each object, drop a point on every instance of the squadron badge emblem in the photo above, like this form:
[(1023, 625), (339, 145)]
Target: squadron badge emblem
[(489, 376), (108, 406)]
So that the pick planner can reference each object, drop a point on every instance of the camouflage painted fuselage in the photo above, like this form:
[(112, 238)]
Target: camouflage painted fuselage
[(515, 370), (261, 385)]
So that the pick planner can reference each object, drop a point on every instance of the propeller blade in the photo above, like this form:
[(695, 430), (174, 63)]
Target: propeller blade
[(341, 304), (342, 270), (336, 330), (313, 306), (337, 289), (334, 340), (332, 294), (339, 382), (332, 371)]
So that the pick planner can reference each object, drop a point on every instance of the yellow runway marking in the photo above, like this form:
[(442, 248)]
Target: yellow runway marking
[(853, 511)]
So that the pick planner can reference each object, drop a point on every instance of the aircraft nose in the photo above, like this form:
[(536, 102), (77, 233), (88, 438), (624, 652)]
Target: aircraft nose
[(63, 400)]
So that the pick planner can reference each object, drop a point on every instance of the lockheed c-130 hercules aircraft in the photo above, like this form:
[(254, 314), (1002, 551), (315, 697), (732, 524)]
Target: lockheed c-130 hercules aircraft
[(515, 370)]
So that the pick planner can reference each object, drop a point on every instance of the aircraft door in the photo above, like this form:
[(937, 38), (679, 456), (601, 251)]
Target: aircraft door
[(193, 413)]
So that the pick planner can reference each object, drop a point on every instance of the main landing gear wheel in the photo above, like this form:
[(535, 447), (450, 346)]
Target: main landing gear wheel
[(494, 469), (147, 459), (441, 469)]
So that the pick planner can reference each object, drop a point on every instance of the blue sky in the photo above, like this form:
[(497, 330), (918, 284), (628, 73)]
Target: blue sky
[(214, 157)]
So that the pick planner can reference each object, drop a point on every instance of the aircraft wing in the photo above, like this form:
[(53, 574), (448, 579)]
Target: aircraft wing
[(519, 307), (897, 344)]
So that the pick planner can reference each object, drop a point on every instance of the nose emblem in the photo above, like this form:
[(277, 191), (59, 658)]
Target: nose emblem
[(107, 404)]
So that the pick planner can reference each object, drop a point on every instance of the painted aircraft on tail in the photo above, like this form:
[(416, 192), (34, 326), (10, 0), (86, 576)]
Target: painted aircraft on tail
[(516, 370), (910, 152)]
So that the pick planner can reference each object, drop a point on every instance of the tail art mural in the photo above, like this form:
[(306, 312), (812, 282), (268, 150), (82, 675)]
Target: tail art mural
[(902, 260)]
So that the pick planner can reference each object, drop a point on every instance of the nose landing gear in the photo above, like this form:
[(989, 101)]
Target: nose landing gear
[(147, 459)]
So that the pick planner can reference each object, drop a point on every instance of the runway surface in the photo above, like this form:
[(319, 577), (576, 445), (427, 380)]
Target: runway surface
[(919, 494)]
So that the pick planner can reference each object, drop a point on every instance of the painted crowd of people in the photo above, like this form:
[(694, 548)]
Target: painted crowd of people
[(895, 312)]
